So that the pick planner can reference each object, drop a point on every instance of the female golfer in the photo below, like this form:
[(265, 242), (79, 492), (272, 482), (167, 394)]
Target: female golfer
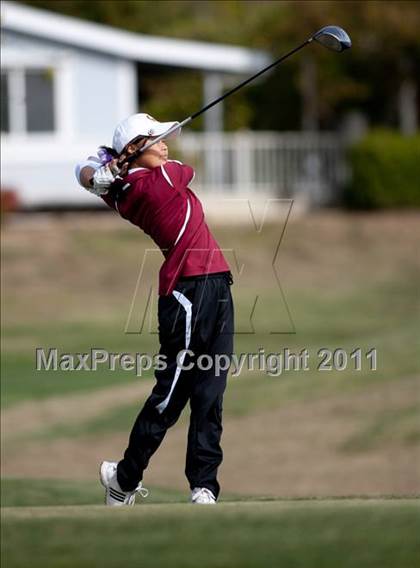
[(195, 309)]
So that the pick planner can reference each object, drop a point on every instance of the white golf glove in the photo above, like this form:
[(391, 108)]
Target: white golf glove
[(103, 178)]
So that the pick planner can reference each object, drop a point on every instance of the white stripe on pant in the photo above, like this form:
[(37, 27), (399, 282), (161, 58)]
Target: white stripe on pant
[(187, 305)]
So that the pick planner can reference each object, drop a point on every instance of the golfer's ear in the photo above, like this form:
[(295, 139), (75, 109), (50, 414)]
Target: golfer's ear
[(130, 149)]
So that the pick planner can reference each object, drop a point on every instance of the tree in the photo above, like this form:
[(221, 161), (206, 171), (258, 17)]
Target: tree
[(379, 76)]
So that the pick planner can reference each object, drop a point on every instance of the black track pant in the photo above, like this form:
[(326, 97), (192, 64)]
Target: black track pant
[(198, 316)]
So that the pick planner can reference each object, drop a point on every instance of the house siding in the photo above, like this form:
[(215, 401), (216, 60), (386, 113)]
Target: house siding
[(96, 101), (94, 92)]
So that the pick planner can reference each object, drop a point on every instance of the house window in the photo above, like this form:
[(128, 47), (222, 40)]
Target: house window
[(4, 107), (27, 100)]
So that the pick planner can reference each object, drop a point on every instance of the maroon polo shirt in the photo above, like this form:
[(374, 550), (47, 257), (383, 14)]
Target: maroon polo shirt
[(160, 203)]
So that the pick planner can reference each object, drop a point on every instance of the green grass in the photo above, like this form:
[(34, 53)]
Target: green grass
[(58, 492), (359, 320), (60, 524), (253, 534), (27, 492), (368, 297), (349, 282), (21, 380)]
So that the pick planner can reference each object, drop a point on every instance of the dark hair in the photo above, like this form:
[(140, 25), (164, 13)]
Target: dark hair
[(111, 153), (142, 140)]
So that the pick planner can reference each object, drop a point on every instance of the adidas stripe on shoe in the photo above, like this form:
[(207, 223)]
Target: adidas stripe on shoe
[(114, 495)]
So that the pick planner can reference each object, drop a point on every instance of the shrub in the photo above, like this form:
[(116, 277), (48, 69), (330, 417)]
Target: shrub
[(385, 171)]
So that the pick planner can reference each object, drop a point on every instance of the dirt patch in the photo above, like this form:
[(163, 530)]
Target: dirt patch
[(294, 451), (72, 409)]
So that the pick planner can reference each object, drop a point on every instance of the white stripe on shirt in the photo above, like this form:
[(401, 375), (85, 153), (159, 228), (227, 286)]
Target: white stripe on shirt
[(165, 175), (184, 226), (188, 213)]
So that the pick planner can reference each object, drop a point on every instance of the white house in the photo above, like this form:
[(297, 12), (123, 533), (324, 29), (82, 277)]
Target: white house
[(65, 83)]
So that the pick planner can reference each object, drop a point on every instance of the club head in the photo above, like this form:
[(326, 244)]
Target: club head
[(333, 38)]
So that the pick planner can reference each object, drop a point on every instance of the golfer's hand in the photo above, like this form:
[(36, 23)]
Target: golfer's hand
[(104, 177)]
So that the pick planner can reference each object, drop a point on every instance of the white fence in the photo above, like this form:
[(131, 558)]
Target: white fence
[(287, 165), (306, 166)]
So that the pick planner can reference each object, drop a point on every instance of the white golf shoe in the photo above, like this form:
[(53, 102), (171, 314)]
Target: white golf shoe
[(114, 495), (202, 496)]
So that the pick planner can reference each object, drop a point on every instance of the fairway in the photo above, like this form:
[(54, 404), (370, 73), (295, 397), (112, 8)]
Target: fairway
[(293, 533), (308, 433)]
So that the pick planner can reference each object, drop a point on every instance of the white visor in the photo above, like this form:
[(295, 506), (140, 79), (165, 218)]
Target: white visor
[(139, 125)]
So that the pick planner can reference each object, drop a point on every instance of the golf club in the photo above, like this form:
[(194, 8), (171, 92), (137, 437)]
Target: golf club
[(331, 37)]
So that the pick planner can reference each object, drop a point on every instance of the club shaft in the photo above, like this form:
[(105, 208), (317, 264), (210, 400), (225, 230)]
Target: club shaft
[(133, 156), (228, 93)]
